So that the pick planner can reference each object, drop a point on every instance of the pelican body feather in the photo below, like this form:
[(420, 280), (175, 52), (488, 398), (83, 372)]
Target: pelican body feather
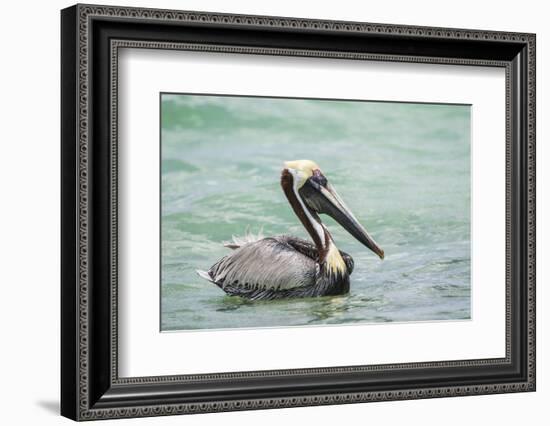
[(278, 267)]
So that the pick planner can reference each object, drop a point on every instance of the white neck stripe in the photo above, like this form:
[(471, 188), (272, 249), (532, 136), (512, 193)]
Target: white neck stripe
[(316, 225)]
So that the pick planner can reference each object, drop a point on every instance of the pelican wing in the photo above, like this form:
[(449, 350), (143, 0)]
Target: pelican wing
[(266, 264), (305, 247)]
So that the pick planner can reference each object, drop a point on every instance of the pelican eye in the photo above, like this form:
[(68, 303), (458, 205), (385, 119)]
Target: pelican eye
[(319, 178)]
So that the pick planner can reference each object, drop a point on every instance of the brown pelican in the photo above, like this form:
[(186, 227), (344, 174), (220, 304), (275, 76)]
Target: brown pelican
[(285, 266)]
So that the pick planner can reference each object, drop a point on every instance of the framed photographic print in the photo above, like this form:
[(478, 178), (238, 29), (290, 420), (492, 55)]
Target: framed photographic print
[(263, 212)]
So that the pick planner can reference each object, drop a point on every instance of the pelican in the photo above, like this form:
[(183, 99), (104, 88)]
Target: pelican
[(288, 267)]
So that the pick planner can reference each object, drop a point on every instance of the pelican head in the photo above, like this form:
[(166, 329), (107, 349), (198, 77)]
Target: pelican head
[(310, 194)]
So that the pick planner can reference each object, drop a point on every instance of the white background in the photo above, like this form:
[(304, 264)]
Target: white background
[(146, 352), (29, 229)]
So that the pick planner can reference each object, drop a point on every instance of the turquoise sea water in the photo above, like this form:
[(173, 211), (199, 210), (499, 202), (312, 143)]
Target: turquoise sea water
[(403, 169)]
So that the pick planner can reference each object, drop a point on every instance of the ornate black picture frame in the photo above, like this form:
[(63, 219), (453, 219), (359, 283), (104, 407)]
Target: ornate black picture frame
[(91, 387)]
